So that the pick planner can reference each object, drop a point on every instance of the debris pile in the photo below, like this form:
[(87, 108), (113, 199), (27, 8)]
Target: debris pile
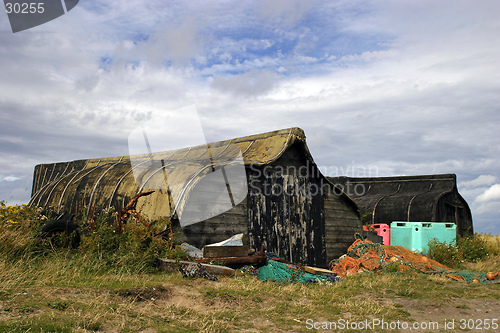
[(196, 271), (232, 253), (361, 256), (364, 255)]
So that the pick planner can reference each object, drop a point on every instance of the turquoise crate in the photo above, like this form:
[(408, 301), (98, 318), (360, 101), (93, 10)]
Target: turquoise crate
[(407, 235), (443, 232), (415, 236)]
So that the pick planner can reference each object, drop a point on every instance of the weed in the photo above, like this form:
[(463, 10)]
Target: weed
[(403, 313), (25, 308), (33, 326), (223, 294), (406, 292), (18, 231), (58, 305), (257, 299)]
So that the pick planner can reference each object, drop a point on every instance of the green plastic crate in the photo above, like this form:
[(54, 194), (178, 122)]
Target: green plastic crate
[(415, 236)]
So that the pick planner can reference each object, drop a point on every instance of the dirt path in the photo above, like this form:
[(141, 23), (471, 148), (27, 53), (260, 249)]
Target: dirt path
[(474, 315)]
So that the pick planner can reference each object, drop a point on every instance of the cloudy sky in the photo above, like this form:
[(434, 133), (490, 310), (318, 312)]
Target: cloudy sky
[(381, 88)]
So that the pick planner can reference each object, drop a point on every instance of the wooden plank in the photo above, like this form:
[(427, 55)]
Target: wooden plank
[(225, 251), (170, 264), (337, 209), (337, 233), (217, 230), (248, 260), (343, 233), (317, 270)]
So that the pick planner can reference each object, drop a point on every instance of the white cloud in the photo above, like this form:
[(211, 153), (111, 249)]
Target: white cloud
[(252, 83), (177, 44), (491, 194), (288, 12), (9, 178), (488, 201), (479, 181)]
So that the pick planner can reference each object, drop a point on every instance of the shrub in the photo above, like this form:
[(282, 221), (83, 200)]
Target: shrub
[(473, 248), (446, 254)]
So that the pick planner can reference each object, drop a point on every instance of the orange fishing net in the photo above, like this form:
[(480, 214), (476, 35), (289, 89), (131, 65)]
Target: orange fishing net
[(364, 255)]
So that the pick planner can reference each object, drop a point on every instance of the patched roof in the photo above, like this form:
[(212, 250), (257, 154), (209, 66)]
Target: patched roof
[(110, 182), (402, 198)]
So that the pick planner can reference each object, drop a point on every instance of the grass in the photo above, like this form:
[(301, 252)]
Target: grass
[(164, 302), (110, 285)]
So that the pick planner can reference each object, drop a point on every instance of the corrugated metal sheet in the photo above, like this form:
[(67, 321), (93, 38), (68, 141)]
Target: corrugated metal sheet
[(111, 182)]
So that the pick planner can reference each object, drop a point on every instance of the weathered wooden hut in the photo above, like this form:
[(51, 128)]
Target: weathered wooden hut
[(429, 198), (287, 204)]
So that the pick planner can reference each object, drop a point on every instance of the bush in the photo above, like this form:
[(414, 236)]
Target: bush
[(446, 254), (473, 248)]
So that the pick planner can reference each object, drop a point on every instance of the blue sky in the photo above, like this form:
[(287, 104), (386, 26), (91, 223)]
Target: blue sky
[(394, 87)]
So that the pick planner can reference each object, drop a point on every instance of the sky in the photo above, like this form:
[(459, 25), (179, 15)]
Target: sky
[(381, 88)]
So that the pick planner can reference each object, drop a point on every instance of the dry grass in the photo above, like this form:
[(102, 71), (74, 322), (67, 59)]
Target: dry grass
[(491, 264), (64, 293), (493, 241)]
